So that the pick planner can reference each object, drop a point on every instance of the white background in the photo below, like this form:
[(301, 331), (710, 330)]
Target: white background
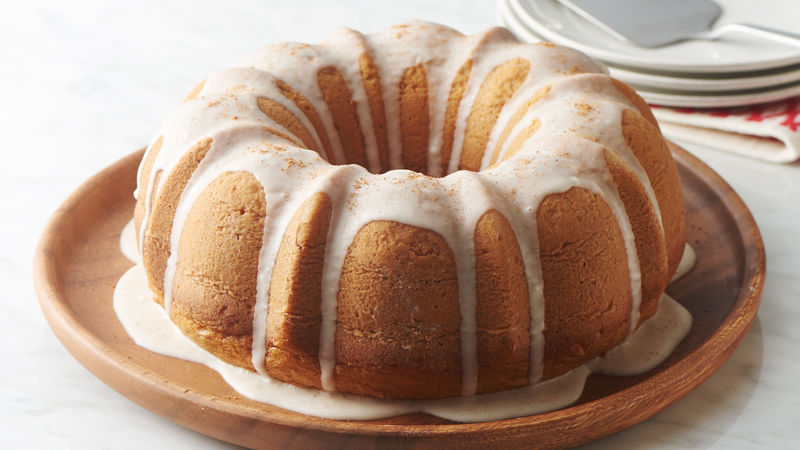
[(83, 83)]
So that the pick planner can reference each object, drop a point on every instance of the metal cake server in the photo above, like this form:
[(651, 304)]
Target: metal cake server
[(655, 23)]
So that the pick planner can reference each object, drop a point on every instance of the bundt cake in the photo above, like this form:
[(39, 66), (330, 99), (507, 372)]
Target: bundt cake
[(413, 213)]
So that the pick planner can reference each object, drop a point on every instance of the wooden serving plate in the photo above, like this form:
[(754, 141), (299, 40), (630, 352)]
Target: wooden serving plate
[(78, 263)]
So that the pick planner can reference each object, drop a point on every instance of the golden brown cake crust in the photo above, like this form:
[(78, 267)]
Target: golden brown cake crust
[(414, 116), (451, 112), (286, 119), (156, 248), (311, 113), (650, 245), (345, 116), (293, 315), (503, 310), (645, 141), (398, 315), (495, 91), (587, 287), (637, 101), (143, 182), (214, 294), (372, 86), (514, 121)]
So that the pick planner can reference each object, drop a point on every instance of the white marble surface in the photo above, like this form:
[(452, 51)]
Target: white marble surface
[(83, 83)]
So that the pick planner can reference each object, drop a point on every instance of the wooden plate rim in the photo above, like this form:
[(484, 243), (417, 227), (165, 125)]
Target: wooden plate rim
[(701, 361)]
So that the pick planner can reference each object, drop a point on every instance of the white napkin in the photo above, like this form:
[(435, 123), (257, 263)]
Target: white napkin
[(769, 131)]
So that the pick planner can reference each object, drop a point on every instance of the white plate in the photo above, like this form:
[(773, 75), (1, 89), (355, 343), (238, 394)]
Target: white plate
[(696, 100), (691, 82), (550, 20), (665, 80), (679, 97)]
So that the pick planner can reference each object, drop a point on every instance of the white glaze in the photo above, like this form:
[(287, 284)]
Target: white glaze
[(650, 344), (127, 243), (557, 158), (688, 261), (149, 326), (657, 337)]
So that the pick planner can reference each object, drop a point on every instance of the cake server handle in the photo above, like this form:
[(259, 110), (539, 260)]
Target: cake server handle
[(772, 34)]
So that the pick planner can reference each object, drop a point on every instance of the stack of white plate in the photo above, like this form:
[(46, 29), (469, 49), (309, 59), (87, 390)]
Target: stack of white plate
[(732, 71)]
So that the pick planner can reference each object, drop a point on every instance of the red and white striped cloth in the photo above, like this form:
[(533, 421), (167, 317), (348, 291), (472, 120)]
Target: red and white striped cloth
[(769, 131)]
